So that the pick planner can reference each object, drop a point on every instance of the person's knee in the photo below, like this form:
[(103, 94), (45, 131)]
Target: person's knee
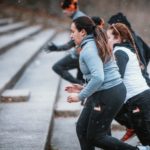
[(93, 137), (56, 68), (78, 128)]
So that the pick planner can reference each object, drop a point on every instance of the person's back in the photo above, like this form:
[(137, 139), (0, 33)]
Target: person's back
[(77, 14), (133, 79), (110, 68), (142, 47)]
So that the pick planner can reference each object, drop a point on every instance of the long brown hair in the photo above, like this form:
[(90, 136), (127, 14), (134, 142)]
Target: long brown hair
[(122, 31), (99, 35)]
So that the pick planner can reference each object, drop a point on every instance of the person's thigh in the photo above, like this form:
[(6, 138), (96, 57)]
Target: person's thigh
[(83, 120), (124, 118), (141, 117), (107, 104)]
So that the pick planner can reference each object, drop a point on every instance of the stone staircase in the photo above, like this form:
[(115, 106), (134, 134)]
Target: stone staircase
[(12, 27), (5, 21), (28, 86)]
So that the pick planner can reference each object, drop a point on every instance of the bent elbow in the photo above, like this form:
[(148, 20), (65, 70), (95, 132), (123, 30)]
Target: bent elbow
[(99, 80)]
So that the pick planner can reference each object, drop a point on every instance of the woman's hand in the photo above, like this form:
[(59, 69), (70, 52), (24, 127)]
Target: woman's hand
[(73, 98), (74, 88)]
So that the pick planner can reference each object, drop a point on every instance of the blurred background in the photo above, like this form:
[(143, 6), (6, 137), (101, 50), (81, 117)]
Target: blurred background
[(43, 11)]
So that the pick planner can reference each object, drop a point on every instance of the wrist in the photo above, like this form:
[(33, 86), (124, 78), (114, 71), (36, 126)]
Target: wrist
[(81, 98)]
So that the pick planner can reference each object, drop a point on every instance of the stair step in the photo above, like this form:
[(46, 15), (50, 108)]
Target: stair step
[(12, 38), (12, 27), (63, 108), (29, 123), (67, 127), (15, 96), (14, 61), (116, 126), (4, 21)]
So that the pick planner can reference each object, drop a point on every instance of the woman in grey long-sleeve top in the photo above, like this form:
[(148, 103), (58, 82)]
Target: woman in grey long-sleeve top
[(105, 91)]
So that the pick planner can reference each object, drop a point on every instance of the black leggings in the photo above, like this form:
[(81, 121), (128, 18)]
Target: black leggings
[(63, 66), (139, 111), (96, 117), (124, 118)]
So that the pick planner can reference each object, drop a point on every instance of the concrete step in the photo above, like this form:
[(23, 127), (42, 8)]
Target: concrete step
[(4, 21), (27, 125), (15, 95), (63, 108), (14, 61), (64, 135), (12, 38), (12, 27)]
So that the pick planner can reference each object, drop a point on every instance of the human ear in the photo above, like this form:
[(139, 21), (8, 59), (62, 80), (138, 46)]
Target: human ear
[(118, 39), (83, 32)]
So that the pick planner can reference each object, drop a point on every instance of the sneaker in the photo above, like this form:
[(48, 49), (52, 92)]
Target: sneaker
[(143, 147), (129, 134), (147, 147)]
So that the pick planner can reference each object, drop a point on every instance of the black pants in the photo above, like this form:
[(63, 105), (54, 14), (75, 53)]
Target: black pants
[(139, 111), (96, 117), (124, 118), (63, 66)]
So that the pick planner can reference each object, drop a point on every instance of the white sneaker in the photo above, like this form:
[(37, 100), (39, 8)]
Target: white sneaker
[(147, 147), (143, 147)]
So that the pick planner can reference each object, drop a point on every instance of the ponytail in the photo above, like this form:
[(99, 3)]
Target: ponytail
[(135, 48), (99, 34), (125, 34), (102, 44)]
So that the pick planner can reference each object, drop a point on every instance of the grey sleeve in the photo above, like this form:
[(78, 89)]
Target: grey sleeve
[(95, 66)]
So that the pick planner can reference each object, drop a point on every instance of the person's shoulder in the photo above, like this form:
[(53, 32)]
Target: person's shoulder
[(122, 48), (80, 13), (90, 49), (121, 53)]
